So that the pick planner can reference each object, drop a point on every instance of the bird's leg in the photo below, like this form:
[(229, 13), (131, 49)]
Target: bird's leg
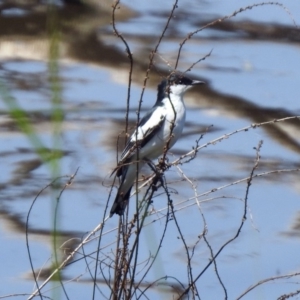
[(150, 164), (163, 164)]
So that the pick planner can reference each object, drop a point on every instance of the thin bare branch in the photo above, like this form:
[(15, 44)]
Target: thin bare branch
[(240, 10), (244, 217), (267, 280)]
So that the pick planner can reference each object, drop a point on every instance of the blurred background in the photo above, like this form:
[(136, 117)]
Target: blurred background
[(63, 62)]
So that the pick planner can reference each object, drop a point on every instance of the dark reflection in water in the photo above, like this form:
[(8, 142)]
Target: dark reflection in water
[(86, 38)]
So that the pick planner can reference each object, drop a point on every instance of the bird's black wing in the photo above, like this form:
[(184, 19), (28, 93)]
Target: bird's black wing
[(148, 127)]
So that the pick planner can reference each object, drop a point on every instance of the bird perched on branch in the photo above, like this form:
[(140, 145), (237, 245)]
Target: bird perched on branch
[(155, 134)]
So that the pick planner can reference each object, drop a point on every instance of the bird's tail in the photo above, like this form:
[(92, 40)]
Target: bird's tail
[(120, 203), (128, 173)]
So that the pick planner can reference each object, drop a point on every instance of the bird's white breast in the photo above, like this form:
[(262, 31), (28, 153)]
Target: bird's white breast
[(169, 134), (178, 118)]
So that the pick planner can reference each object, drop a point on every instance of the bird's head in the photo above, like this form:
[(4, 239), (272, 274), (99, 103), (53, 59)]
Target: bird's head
[(177, 84)]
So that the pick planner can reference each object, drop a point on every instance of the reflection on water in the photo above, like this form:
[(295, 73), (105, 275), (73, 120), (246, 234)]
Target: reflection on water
[(251, 77)]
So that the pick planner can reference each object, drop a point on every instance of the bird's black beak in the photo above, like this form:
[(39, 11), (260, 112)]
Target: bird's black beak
[(197, 82)]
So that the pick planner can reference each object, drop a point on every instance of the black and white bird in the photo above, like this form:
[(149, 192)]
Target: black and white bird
[(156, 133)]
